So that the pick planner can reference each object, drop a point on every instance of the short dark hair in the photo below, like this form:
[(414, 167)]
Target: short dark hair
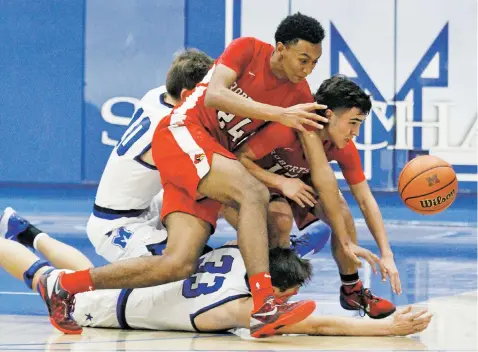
[(340, 92), (188, 69), (287, 269), (299, 26)]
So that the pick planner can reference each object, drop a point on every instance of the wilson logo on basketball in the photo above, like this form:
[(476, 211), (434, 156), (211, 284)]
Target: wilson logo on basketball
[(428, 203)]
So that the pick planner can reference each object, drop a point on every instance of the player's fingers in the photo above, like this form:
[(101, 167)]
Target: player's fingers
[(355, 259), (313, 106), (310, 122), (418, 314), (315, 117), (305, 199), (310, 197), (298, 201), (369, 259), (309, 188), (406, 310), (395, 280), (298, 126)]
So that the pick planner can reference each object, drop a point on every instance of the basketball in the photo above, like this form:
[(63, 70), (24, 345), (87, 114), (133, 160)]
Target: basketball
[(427, 184)]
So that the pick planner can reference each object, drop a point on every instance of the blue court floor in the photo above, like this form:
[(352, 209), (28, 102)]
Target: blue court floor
[(437, 261)]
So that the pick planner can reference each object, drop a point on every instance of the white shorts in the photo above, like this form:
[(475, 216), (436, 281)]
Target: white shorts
[(127, 237), (97, 309)]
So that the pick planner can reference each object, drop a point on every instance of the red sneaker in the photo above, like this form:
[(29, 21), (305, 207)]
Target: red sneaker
[(275, 314), (59, 302), (358, 298)]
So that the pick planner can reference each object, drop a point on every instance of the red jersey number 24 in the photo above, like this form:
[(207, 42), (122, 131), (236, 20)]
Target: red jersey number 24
[(235, 131)]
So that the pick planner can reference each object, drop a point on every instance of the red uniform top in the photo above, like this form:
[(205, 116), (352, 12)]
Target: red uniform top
[(287, 157), (250, 59)]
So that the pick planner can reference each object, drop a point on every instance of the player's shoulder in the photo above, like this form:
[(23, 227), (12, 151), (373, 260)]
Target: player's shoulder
[(154, 102), (348, 154), (231, 250), (252, 42), (154, 94)]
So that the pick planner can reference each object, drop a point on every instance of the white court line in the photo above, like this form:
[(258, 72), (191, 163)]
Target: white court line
[(17, 293)]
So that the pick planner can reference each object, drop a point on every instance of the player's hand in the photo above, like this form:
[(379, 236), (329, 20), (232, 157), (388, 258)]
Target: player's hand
[(406, 322), (349, 251), (388, 268), (371, 258), (299, 192), (303, 114)]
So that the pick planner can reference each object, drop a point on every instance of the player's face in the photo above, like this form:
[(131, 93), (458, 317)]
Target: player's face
[(285, 295), (299, 60), (344, 125)]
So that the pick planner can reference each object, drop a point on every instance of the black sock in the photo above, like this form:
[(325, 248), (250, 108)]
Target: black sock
[(350, 279), (26, 237)]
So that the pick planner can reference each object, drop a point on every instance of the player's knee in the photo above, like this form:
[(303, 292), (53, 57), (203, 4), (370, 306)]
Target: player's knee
[(254, 192)]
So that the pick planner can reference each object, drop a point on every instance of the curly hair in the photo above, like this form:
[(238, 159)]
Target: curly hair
[(299, 26), (340, 92), (188, 69)]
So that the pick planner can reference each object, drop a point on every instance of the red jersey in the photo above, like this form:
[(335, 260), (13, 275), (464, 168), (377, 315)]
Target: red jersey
[(250, 59), (287, 157)]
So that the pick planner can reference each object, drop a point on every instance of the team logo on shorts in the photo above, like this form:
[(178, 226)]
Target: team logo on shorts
[(122, 237), (198, 158)]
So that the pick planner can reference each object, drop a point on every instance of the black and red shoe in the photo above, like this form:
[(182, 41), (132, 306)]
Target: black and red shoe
[(274, 314), (60, 303), (357, 297)]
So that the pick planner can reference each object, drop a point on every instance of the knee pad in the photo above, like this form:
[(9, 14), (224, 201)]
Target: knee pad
[(31, 271)]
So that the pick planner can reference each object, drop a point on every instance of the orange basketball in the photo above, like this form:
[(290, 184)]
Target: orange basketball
[(427, 184)]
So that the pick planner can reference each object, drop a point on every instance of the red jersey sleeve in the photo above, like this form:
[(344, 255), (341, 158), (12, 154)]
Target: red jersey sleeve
[(238, 54), (348, 159), (271, 137)]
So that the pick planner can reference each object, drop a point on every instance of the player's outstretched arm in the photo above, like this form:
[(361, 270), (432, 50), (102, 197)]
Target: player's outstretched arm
[(325, 184), (403, 323), (373, 217), (220, 97)]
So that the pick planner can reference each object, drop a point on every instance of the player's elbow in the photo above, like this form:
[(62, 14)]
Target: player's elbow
[(212, 97)]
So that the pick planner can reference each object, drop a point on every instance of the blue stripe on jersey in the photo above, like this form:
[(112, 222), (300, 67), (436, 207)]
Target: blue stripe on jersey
[(217, 304), (121, 308), (111, 214), (164, 102), (137, 158)]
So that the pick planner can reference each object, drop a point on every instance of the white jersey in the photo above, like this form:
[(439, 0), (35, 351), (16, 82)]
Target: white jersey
[(128, 182), (220, 278)]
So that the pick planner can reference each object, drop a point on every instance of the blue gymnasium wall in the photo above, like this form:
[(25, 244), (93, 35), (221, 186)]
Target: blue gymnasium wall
[(71, 74)]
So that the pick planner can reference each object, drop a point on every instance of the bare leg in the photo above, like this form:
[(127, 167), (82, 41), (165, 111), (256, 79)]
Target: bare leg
[(61, 255), (187, 236), (230, 183), (279, 222), (16, 259)]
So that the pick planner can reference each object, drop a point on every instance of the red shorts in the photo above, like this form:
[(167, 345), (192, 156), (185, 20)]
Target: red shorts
[(303, 217), (183, 155)]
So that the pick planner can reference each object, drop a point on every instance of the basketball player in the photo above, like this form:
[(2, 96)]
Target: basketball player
[(289, 173), (215, 298), (191, 149), (125, 221)]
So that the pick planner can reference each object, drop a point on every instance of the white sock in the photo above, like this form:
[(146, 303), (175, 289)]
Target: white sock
[(37, 237)]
